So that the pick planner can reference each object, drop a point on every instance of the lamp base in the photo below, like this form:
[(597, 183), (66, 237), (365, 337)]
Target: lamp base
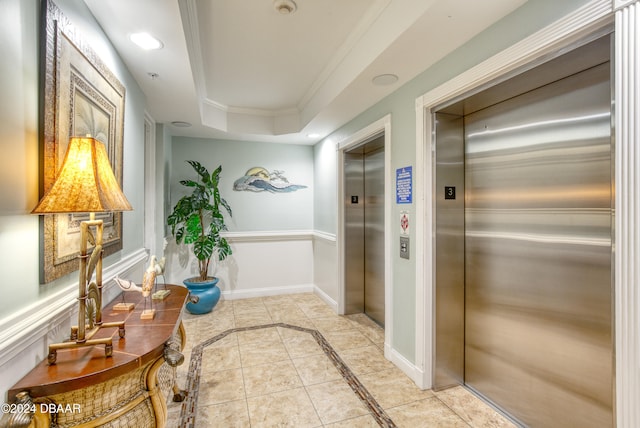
[(76, 343)]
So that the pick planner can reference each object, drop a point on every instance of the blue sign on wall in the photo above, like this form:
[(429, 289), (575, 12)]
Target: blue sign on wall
[(404, 191)]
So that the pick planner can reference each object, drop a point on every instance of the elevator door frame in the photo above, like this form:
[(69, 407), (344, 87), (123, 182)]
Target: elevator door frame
[(364, 229), (435, 178), (532, 51), (381, 126)]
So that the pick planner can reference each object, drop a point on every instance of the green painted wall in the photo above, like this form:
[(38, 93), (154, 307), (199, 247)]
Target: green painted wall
[(252, 211), (531, 17), (19, 112)]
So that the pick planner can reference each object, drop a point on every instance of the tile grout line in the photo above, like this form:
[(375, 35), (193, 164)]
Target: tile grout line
[(306, 391), (452, 410), (189, 406), (244, 383)]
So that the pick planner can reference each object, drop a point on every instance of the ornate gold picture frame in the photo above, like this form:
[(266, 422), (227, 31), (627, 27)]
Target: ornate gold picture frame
[(79, 96)]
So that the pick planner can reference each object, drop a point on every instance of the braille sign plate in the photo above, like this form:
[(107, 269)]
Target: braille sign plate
[(404, 192)]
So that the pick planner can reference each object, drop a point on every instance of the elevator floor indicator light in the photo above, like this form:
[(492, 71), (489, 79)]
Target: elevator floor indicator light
[(449, 192), (354, 199)]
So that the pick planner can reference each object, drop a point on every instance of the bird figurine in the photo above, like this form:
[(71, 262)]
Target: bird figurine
[(149, 277), (126, 285), (159, 268), (148, 281)]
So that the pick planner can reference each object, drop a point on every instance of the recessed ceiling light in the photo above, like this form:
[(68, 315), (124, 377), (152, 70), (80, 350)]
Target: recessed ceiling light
[(385, 79), (285, 7), (181, 124), (313, 135), (146, 41)]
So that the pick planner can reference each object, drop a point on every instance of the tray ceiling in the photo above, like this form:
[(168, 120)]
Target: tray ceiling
[(240, 69)]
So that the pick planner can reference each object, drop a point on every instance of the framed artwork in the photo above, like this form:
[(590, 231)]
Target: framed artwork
[(79, 96)]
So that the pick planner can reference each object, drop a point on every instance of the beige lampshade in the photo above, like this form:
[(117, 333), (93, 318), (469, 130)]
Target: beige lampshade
[(85, 182)]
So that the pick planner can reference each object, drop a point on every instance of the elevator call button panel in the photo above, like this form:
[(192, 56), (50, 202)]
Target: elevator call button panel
[(404, 247)]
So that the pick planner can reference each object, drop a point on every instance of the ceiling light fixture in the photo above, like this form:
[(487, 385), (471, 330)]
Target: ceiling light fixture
[(385, 79), (285, 7), (146, 41), (181, 124)]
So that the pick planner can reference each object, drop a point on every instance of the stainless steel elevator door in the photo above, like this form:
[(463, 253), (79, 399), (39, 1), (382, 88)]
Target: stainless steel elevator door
[(374, 235), (538, 253), (353, 232), (449, 272), (364, 230)]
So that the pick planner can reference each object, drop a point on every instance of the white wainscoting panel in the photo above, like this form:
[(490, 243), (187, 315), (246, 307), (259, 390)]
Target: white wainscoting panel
[(266, 264), (325, 268), (262, 264)]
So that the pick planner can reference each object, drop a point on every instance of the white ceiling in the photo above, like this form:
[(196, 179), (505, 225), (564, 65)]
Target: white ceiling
[(238, 69)]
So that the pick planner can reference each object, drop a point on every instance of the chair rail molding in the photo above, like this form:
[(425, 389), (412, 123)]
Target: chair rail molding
[(269, 235)]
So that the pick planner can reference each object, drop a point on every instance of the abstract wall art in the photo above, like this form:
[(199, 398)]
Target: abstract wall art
[(259, 179)]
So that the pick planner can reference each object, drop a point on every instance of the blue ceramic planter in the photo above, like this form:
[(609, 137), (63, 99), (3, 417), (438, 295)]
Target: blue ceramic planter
[(208, 293)]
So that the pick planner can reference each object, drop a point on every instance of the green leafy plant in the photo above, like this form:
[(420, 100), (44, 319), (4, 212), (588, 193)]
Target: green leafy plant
[(198, 218)]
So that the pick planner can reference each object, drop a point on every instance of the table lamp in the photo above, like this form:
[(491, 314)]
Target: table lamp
[(86, 184)]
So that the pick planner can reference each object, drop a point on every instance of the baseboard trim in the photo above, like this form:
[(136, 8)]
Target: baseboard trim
[(266, 292), (406, 366), (325, 298)]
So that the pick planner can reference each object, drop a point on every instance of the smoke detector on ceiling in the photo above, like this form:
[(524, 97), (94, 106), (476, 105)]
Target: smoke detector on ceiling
[(284, 7)]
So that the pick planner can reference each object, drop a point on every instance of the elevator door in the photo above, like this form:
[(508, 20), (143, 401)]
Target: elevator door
[(538, 253), (364, 230)]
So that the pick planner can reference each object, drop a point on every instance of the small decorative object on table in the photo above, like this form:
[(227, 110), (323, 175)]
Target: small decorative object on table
[(148, 282), (126, 285), (159, 268)]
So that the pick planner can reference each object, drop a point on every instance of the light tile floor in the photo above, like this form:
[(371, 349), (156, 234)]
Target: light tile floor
[(281, 377)]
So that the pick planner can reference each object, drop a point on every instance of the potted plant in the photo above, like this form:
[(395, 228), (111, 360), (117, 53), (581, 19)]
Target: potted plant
[(198, 219)]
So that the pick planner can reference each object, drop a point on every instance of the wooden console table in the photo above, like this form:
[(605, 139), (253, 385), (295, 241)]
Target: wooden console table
[(129, 389)]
